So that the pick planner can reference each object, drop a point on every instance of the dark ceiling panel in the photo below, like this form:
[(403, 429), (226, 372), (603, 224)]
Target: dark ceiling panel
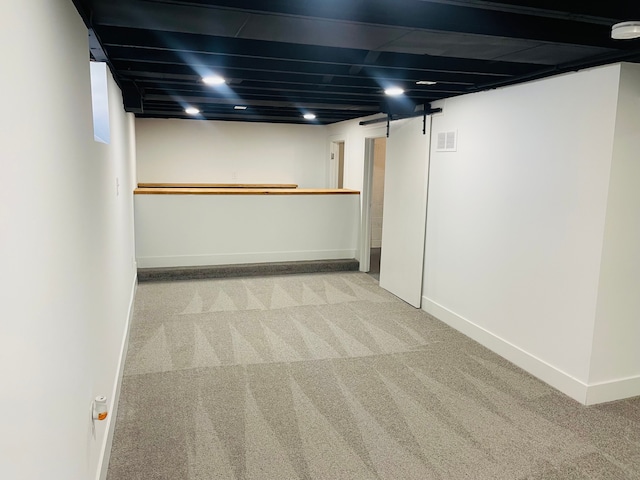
[(171, 17), (328, 33), (444, 44), (283, 57), (459, 16), (483, 47), (554, 54)]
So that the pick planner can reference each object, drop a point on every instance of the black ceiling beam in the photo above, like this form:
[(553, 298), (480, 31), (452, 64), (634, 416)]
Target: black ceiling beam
[(95, 47), (350, 82), (291, 117), (329, 97), (244, 118), (219, 65), (269, 103), (589, 12), (245, 88), (242, 114), (215, 60), (192, 43), (282, 101), (229, 108), (277, 75), (347, 103)]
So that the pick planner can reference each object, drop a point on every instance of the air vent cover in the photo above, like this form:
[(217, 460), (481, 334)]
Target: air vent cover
[(447, 141)]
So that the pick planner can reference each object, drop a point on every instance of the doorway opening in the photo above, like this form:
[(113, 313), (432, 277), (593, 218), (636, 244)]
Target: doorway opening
[(377, 205), (337, 162)]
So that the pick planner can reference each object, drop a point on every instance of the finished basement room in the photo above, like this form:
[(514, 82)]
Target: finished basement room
[(320, 240)]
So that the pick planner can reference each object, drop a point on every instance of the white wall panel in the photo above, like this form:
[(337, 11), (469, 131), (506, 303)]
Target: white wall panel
[(516, 215), (188, 230), (66, 246), (231, 152), (616, 350)]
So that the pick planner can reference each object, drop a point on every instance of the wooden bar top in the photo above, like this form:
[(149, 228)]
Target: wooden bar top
[(243, 191), (217, 185)]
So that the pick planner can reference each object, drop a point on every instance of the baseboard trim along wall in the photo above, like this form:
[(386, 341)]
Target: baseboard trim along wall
[(240, 258), (558, 379), (105, 454), (574, 388), (613, 390)]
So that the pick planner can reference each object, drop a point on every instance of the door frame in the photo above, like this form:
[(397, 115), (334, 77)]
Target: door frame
[(367, 198), (334, 153)]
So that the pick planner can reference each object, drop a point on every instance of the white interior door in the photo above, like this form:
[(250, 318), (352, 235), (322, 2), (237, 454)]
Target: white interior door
[(405, 210)]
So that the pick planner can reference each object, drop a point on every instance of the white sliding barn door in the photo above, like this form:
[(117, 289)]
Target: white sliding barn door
[(405, 210)]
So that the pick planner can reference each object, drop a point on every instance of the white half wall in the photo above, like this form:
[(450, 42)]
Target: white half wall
[(516, 220), (171, 150), (189, 230), (66, 246)]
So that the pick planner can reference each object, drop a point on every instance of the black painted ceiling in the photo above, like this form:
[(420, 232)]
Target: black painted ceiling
[(283, 58)]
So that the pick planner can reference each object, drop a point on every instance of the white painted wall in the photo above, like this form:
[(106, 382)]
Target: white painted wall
[(66, 242), (516, 220), (616, 350), (172, 150), (187, 230)]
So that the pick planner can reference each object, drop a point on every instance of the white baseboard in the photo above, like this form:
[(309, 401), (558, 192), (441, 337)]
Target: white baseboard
[(240, 258), (613, 390), (105, 454), (549, 374), (586, 394)]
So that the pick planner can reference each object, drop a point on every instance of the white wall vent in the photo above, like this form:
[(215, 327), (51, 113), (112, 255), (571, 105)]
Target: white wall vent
[(447, 141)]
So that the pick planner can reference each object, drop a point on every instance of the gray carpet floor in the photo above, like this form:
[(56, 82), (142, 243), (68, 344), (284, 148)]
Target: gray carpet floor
[(327, 376)]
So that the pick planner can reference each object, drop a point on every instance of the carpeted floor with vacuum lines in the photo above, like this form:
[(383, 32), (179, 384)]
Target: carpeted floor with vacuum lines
[(328, 376)]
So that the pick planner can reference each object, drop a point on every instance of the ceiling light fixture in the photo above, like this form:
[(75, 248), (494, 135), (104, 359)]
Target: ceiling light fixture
[(192, 111), (309, 116), (626, 30), (240, 107), (425, 82), (394, 91), (214, 80)]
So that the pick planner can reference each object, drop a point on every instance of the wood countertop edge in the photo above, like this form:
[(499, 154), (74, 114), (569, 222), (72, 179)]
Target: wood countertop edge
[(216, 185), (243, 191)]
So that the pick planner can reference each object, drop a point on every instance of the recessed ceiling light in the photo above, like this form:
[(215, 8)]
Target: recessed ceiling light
[(394, 91), (309, 116), (192, 111), (425, 82), (626, 30), (240, 107), (214, 80)]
